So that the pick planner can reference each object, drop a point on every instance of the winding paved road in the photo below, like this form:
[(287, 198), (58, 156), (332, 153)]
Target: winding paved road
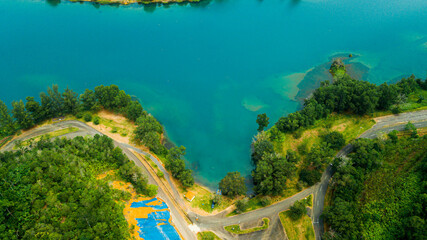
[(217, 222), (177, 218), (383, 125)]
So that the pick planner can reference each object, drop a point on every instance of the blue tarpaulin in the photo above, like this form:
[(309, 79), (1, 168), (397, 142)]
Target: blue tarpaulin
[(156, 226)]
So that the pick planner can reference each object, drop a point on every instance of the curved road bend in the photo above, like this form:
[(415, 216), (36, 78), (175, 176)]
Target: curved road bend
[(216, 223), (384, 124), (177, 218)]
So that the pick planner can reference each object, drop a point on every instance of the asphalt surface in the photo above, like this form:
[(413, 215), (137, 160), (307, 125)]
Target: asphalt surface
[(177, 219), (251, 219), (383, 125)]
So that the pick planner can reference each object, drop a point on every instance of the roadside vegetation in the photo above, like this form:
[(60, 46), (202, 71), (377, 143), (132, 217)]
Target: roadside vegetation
[(50, 190), (57, 133), (207, 236), (379, 192), (142, 127), (296, 222), (297, 229), (236, 228), (292, 154)]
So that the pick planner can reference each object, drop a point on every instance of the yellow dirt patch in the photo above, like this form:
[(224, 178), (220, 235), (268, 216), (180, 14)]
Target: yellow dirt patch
[(104, 175), (339, 128), (131, 214), (294, 143)]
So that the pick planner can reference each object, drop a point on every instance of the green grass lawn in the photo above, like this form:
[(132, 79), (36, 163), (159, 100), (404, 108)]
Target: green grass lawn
[(207, 236), (351, 126), (299, 229), (236, 228)]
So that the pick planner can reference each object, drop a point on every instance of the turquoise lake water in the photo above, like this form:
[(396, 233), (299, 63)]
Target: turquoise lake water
[(206, 72)]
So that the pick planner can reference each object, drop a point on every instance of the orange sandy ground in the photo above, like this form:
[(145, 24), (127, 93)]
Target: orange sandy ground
[(131, 213)]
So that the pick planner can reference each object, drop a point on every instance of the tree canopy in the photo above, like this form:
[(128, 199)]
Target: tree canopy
[(49, 190), (233, 184)]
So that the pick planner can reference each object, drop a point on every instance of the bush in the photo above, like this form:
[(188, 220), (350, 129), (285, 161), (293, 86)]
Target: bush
[(79, 115), (297, 134), (396, 110), (217, 199), (160, 174), (96, 121), (265, 201), (87, 117), (114, 130), (297, 210), (151, 190), (302, 148), (334, 139), (241, 206), (310, 176)]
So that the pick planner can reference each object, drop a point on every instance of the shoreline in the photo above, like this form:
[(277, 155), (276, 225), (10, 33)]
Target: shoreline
[(129, 2)]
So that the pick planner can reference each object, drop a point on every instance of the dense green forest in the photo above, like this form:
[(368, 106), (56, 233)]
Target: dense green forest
[(380, 192), (343, 95), (49, 190), (54, 104)]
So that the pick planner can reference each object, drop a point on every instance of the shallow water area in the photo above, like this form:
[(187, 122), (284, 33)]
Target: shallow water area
[(206, 71)]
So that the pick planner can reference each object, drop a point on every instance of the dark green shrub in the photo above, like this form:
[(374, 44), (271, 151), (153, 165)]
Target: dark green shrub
[(334, 139), (87, 117), (265, 201), (396, 110), (96, 121)]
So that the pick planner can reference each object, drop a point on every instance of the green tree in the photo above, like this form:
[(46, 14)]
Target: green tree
[(411, 127), (122, 100), (87, 117), (176, 165), (233, 184), (88, 100), (71, 101), (270, 174), (262, 121), (334, 139), (22, 116), (134, 111), (387, 96), (6, 121), (34, 108), (297, 210), (106, 96), (57, 101)]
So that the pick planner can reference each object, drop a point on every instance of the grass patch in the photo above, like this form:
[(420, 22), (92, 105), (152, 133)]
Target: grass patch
[(236, 228), (208, 235), (203, 199), (116, 124), (411, 104), (53, 134), (299, 229), (351, 126)]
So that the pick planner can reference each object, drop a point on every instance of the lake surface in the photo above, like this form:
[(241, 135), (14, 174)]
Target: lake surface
[(206, 71)]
